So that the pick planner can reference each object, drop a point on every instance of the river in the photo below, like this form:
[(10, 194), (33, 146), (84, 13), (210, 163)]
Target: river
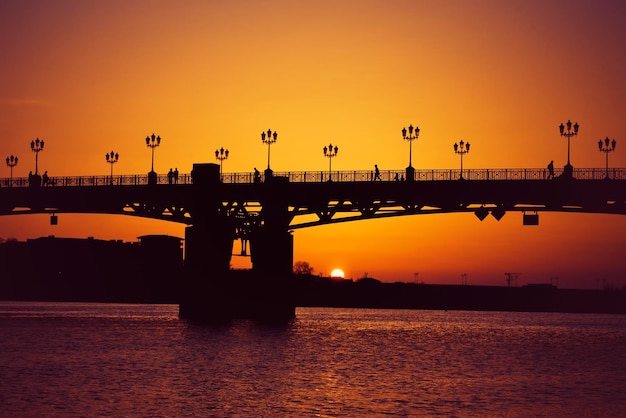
[(113, 360)]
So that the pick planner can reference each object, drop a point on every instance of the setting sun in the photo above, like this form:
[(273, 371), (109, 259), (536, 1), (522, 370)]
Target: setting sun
[(337, 273)]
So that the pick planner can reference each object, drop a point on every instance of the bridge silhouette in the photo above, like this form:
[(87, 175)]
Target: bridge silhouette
[(221, 208)]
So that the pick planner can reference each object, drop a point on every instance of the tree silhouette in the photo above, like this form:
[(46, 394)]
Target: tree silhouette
[(302, 267)]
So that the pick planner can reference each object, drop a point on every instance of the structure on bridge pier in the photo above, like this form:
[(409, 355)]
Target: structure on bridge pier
[(214, 292)]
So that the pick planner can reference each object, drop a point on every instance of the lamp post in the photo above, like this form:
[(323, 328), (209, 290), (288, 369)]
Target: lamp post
[(152, 142), (605, 146), (36, 146), (412, 135), (461, 148), (330, 152), (269, 138), (112, 158), (11, 162), (221, 155), (566, 131)]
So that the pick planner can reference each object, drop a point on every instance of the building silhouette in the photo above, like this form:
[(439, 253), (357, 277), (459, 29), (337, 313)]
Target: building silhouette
[(92, 270)]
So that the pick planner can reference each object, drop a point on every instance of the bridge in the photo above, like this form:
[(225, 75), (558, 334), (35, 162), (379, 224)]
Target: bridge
[(262, 212)]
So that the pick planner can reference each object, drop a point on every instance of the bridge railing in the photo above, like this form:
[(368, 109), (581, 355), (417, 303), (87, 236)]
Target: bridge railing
[(119, 180), (323, 176), (437, 174)]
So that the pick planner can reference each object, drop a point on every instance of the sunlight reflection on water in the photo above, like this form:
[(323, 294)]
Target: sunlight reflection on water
[(142, 360)]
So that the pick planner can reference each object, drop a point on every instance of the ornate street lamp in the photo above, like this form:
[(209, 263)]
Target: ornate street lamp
[(330, 152), (461, 148), (269, 138), (11, 162), (153, 142), (605, 146), (112, 158), (566, 131), (411, 135), (221, 155), (36, 146)]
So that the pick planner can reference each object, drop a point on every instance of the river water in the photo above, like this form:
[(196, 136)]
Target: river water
[(96, 360)]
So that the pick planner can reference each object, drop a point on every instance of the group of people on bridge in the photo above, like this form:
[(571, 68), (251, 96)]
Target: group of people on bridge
[(37, 180), (172, 176)]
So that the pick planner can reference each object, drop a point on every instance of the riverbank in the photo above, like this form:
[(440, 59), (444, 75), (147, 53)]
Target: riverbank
[(368, 293), (314, 291)]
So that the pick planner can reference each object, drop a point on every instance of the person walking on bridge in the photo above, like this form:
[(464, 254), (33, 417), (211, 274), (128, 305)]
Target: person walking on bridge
[(377, 173), (551, 170), (257, 175)]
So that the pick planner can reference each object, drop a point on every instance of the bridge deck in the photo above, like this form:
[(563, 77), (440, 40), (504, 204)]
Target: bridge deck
[(312, 200)]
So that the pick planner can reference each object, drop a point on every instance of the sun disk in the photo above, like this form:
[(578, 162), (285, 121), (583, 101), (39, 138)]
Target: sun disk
[(337, 273)]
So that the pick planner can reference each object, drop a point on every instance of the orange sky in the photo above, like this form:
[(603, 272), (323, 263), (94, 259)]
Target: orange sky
[(91, 76)]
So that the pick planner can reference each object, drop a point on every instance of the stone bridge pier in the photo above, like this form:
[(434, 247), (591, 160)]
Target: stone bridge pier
[(211, 291)]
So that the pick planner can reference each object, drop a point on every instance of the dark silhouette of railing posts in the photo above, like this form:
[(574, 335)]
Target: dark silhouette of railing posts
[(344, 176), (607, 147)]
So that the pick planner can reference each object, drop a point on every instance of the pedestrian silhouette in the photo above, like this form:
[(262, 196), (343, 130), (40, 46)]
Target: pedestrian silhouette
[(176, 175), (376, 173), (395, 178), (257, 175), (45, 178), (170, 176), (551, 170)]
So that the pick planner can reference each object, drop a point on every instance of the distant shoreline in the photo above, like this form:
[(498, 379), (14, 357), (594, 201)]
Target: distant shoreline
[(369, 293), (315, 291)]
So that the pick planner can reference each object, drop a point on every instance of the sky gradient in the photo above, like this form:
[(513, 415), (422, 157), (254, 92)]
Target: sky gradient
[(88, 77)]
